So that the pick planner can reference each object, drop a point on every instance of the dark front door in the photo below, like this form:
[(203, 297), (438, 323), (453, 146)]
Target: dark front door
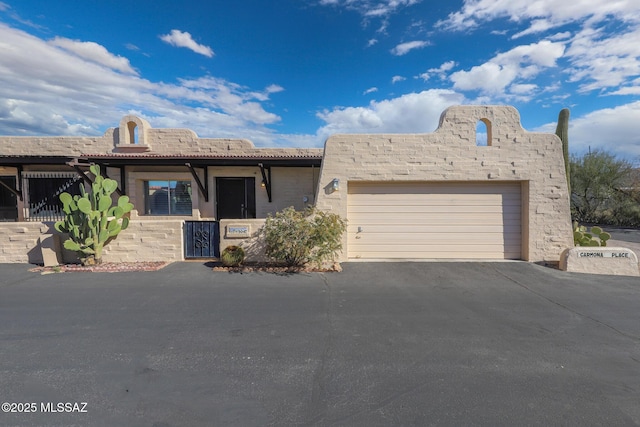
[(8, 200), (236, 197)]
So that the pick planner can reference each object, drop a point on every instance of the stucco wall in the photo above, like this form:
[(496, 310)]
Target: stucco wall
[(451, 154), (252, 245)]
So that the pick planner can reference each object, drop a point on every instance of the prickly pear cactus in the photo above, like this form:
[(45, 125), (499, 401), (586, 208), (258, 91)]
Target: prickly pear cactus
[(91, 219), (582, 236)]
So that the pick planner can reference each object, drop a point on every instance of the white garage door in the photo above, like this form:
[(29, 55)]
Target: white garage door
[(434, 220)]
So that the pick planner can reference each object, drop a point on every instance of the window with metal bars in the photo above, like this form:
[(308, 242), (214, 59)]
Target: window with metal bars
[(42, 191)]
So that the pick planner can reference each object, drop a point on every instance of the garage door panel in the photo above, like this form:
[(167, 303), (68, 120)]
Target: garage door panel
[(433, 228), (434, 188), (417, 218), (424, 246), (454, 253), (414, 200), (434, 220), (393, 208), (446, 252)]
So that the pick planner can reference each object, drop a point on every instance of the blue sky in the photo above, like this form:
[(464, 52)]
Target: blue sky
[(293, 72)]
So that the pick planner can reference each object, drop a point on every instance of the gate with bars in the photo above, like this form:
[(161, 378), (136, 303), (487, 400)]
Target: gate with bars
[(201, 239)]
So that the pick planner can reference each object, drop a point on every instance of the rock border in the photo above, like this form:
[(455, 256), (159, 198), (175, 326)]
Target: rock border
[(276, 269), (107, 267)]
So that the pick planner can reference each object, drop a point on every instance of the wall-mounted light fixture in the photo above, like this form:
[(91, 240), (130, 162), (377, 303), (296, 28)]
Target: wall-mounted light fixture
[(263, 184), (335, 184)]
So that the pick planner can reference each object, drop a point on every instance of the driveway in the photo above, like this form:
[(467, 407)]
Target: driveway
[(385, 344)]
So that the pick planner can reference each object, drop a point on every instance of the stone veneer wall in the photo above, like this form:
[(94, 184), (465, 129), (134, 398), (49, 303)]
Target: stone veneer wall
[(450, 154), (148, 240)]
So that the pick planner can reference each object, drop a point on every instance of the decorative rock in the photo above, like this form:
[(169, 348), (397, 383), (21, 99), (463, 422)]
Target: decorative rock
[(600, 260)]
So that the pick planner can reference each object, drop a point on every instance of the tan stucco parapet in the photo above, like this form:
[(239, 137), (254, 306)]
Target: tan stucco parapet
[(152, 142), (450, 154)]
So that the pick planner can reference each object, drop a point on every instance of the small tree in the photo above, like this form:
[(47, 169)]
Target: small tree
[(597, 182), (297, 238), (91, 220)]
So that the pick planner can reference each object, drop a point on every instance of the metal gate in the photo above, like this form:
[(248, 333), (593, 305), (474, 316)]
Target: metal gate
[(201, 239)]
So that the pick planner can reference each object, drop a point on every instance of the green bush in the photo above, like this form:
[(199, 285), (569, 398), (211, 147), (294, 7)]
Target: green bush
[(602, 189), (232, 256), (296, 238)]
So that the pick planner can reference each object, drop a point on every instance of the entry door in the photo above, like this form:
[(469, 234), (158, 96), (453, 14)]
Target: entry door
[(8, 200), (236, 197)]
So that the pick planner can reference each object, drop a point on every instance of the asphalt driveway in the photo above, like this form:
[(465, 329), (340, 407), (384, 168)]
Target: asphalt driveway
[(386, 344)]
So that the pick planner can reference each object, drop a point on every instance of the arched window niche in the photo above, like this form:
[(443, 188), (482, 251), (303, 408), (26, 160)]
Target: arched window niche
[(132, 134), (483, 133)]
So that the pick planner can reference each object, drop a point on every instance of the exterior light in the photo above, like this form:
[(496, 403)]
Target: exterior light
[(335, 184)]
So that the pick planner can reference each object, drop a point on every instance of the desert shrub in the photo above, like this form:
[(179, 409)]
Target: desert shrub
[(600, 188), (296, 238), (232, 256)]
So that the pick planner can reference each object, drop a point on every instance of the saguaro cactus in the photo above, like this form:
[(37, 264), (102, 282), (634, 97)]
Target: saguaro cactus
[(562, 130), (91, 219)]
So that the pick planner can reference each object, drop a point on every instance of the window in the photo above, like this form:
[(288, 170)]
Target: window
[(42, 191), (8, 200), (483, 133), (167, 197), (133, 132)]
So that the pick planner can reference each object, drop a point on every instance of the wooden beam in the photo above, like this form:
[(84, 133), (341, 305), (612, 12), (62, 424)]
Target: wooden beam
[(204, 189), (266, 178)]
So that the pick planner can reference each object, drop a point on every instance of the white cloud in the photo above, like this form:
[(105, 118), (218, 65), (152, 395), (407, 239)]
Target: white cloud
[(441, 71), (48, 90), (404, 48), (523, 89), (183, 39), (370, 90), (396, 79), (560, 36), (603, 60), (410, 113), (544, 14), (595, 129), (537, 26), (371, 8), (95, 53), (521, 62), (372, 42)]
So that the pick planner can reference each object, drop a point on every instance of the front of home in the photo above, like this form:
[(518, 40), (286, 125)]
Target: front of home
[(175, 180), (415, 196)]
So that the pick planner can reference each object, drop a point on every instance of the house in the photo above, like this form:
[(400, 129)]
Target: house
[(449, 194), (446, 194), (175, 180)]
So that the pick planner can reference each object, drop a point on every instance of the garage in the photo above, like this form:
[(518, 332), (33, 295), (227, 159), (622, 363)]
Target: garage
[(435, 220)]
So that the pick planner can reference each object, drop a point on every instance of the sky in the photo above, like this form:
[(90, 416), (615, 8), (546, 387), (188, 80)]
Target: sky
[(290, 73)]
